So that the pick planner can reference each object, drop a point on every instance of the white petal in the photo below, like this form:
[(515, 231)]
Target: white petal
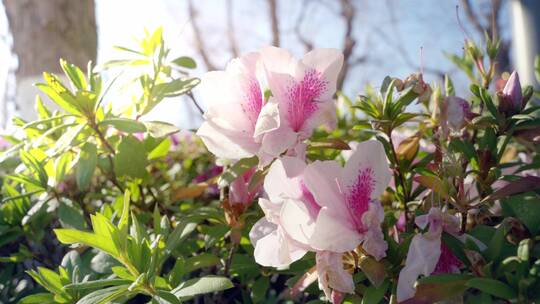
[(320, 177), (329, 63), (278, 141), (297, 221), (282, 180), (272, 248), (223, 146), (422, 257), (334, 233), (271, 210), (268, 119)]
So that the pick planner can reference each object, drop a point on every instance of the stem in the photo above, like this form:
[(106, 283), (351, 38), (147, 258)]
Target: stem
[(228, 262), (401, 178), (505, 143), (106, 144)]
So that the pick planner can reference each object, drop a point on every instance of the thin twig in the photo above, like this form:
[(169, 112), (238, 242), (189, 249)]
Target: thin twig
[(190, 95)]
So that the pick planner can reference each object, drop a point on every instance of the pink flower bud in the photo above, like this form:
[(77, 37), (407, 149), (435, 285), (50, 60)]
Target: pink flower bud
[(511, 98)]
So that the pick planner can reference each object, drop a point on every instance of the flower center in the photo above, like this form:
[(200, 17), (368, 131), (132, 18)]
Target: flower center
[(253, 101), (301, 96), (359, 196)]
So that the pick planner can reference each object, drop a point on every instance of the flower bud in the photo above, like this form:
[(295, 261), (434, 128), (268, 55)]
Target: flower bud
[(511, 98)]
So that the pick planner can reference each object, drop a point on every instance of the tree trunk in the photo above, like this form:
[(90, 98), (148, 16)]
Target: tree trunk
[(43, 32)]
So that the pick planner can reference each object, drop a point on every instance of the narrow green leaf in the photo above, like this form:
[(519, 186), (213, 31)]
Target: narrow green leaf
[(202, 285), (493, 287)]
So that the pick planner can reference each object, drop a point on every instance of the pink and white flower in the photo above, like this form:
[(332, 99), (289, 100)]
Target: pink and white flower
[(281, 237), (237, 117), (304, 92), (427, 255), (351, 213)]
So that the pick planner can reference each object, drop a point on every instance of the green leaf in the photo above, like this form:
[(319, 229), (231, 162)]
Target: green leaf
[(165, 297), (97, 284), (177, 236), (200, 261), (493, 287), (38, 298), (158, 129), (70, 236), (67, 139), (185, 62), (123, 224), (374, 295), (176, 87), (59, 94), (75, 75), (202, 285), (104, 295), (131, 159), (449, 86), (87, 165), (526, 207), (125, 124), (160, 150)]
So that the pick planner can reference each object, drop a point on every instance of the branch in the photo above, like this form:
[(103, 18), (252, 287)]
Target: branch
[(230, 28), (348, 12), (274, 21), (199, 42)]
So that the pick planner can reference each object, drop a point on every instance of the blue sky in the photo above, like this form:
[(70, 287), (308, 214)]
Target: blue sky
[(381, 26)]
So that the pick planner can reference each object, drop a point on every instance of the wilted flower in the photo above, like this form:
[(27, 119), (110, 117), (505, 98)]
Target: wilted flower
[(511, 98), (351, 213), (456, 112)]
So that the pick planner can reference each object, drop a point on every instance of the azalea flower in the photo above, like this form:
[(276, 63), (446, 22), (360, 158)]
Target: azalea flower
[(281, 237), (239, 192), (303, 90), (334, 280), (237, 117), (427, 255), (351, 213)]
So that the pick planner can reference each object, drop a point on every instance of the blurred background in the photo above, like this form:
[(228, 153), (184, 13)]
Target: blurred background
[(378, 38)]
